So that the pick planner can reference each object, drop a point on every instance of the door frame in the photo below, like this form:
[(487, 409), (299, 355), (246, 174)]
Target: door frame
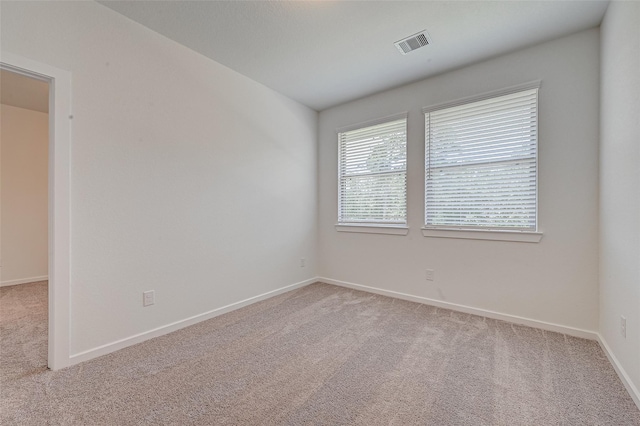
[(59, 199)]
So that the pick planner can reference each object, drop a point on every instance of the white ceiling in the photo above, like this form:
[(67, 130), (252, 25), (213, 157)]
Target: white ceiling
[(23, 92), (323, 53)]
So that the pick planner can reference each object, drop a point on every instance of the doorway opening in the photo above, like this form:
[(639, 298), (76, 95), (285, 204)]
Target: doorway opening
[(24, 213), (57, 129)]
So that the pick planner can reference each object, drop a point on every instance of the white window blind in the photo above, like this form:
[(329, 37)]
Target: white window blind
[(373, 174), (481, 164)]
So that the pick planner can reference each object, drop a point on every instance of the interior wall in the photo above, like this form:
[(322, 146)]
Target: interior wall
[(24, 141), (187, 178), (620, 184), (554, 281)]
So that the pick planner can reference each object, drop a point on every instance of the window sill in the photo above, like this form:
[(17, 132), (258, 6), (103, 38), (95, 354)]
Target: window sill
[(373, 229), (481, 234)]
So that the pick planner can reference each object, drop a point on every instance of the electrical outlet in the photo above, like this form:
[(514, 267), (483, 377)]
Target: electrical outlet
[(303, 262), (623, 326), (148, 298), (430, 273)]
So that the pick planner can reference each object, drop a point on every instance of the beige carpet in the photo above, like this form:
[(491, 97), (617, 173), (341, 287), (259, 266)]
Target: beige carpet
[(318, 355)]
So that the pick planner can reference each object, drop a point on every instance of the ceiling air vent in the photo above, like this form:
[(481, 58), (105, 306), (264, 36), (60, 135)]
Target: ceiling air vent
[(413, 42)]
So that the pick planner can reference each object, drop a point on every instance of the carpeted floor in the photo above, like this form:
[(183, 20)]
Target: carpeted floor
[(318, 355)]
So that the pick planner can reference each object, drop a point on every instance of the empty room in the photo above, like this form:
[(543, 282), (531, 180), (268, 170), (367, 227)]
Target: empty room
[(321, 212)]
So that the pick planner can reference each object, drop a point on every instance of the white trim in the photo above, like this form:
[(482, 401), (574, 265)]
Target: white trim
[(24, 281), (571, 331), (375, 121), (622, 374), (373, 229), (483, 234), (482, 96), (543, 325), (59, 198), (166, 329)]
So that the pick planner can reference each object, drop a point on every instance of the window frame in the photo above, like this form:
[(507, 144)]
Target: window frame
[(372, 227), (488, 232)]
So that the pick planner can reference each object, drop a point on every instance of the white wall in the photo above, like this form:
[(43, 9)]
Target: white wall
[(24, 143), (554, 281), (186, 177), (620, 184)]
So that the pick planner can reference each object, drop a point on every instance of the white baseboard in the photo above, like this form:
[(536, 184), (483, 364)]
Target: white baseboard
[(24, 281), (576, 332), (166, 329), (624, 377)]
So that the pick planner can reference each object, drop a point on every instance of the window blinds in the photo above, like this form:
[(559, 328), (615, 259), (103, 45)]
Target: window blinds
[(372, 174), (481, 164)]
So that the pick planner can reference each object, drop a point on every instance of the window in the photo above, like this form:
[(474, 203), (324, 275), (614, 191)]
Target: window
[(372, 168), (481, 163)]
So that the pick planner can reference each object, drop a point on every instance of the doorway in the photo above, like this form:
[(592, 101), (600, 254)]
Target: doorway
[(58, 165), (24, 110)]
